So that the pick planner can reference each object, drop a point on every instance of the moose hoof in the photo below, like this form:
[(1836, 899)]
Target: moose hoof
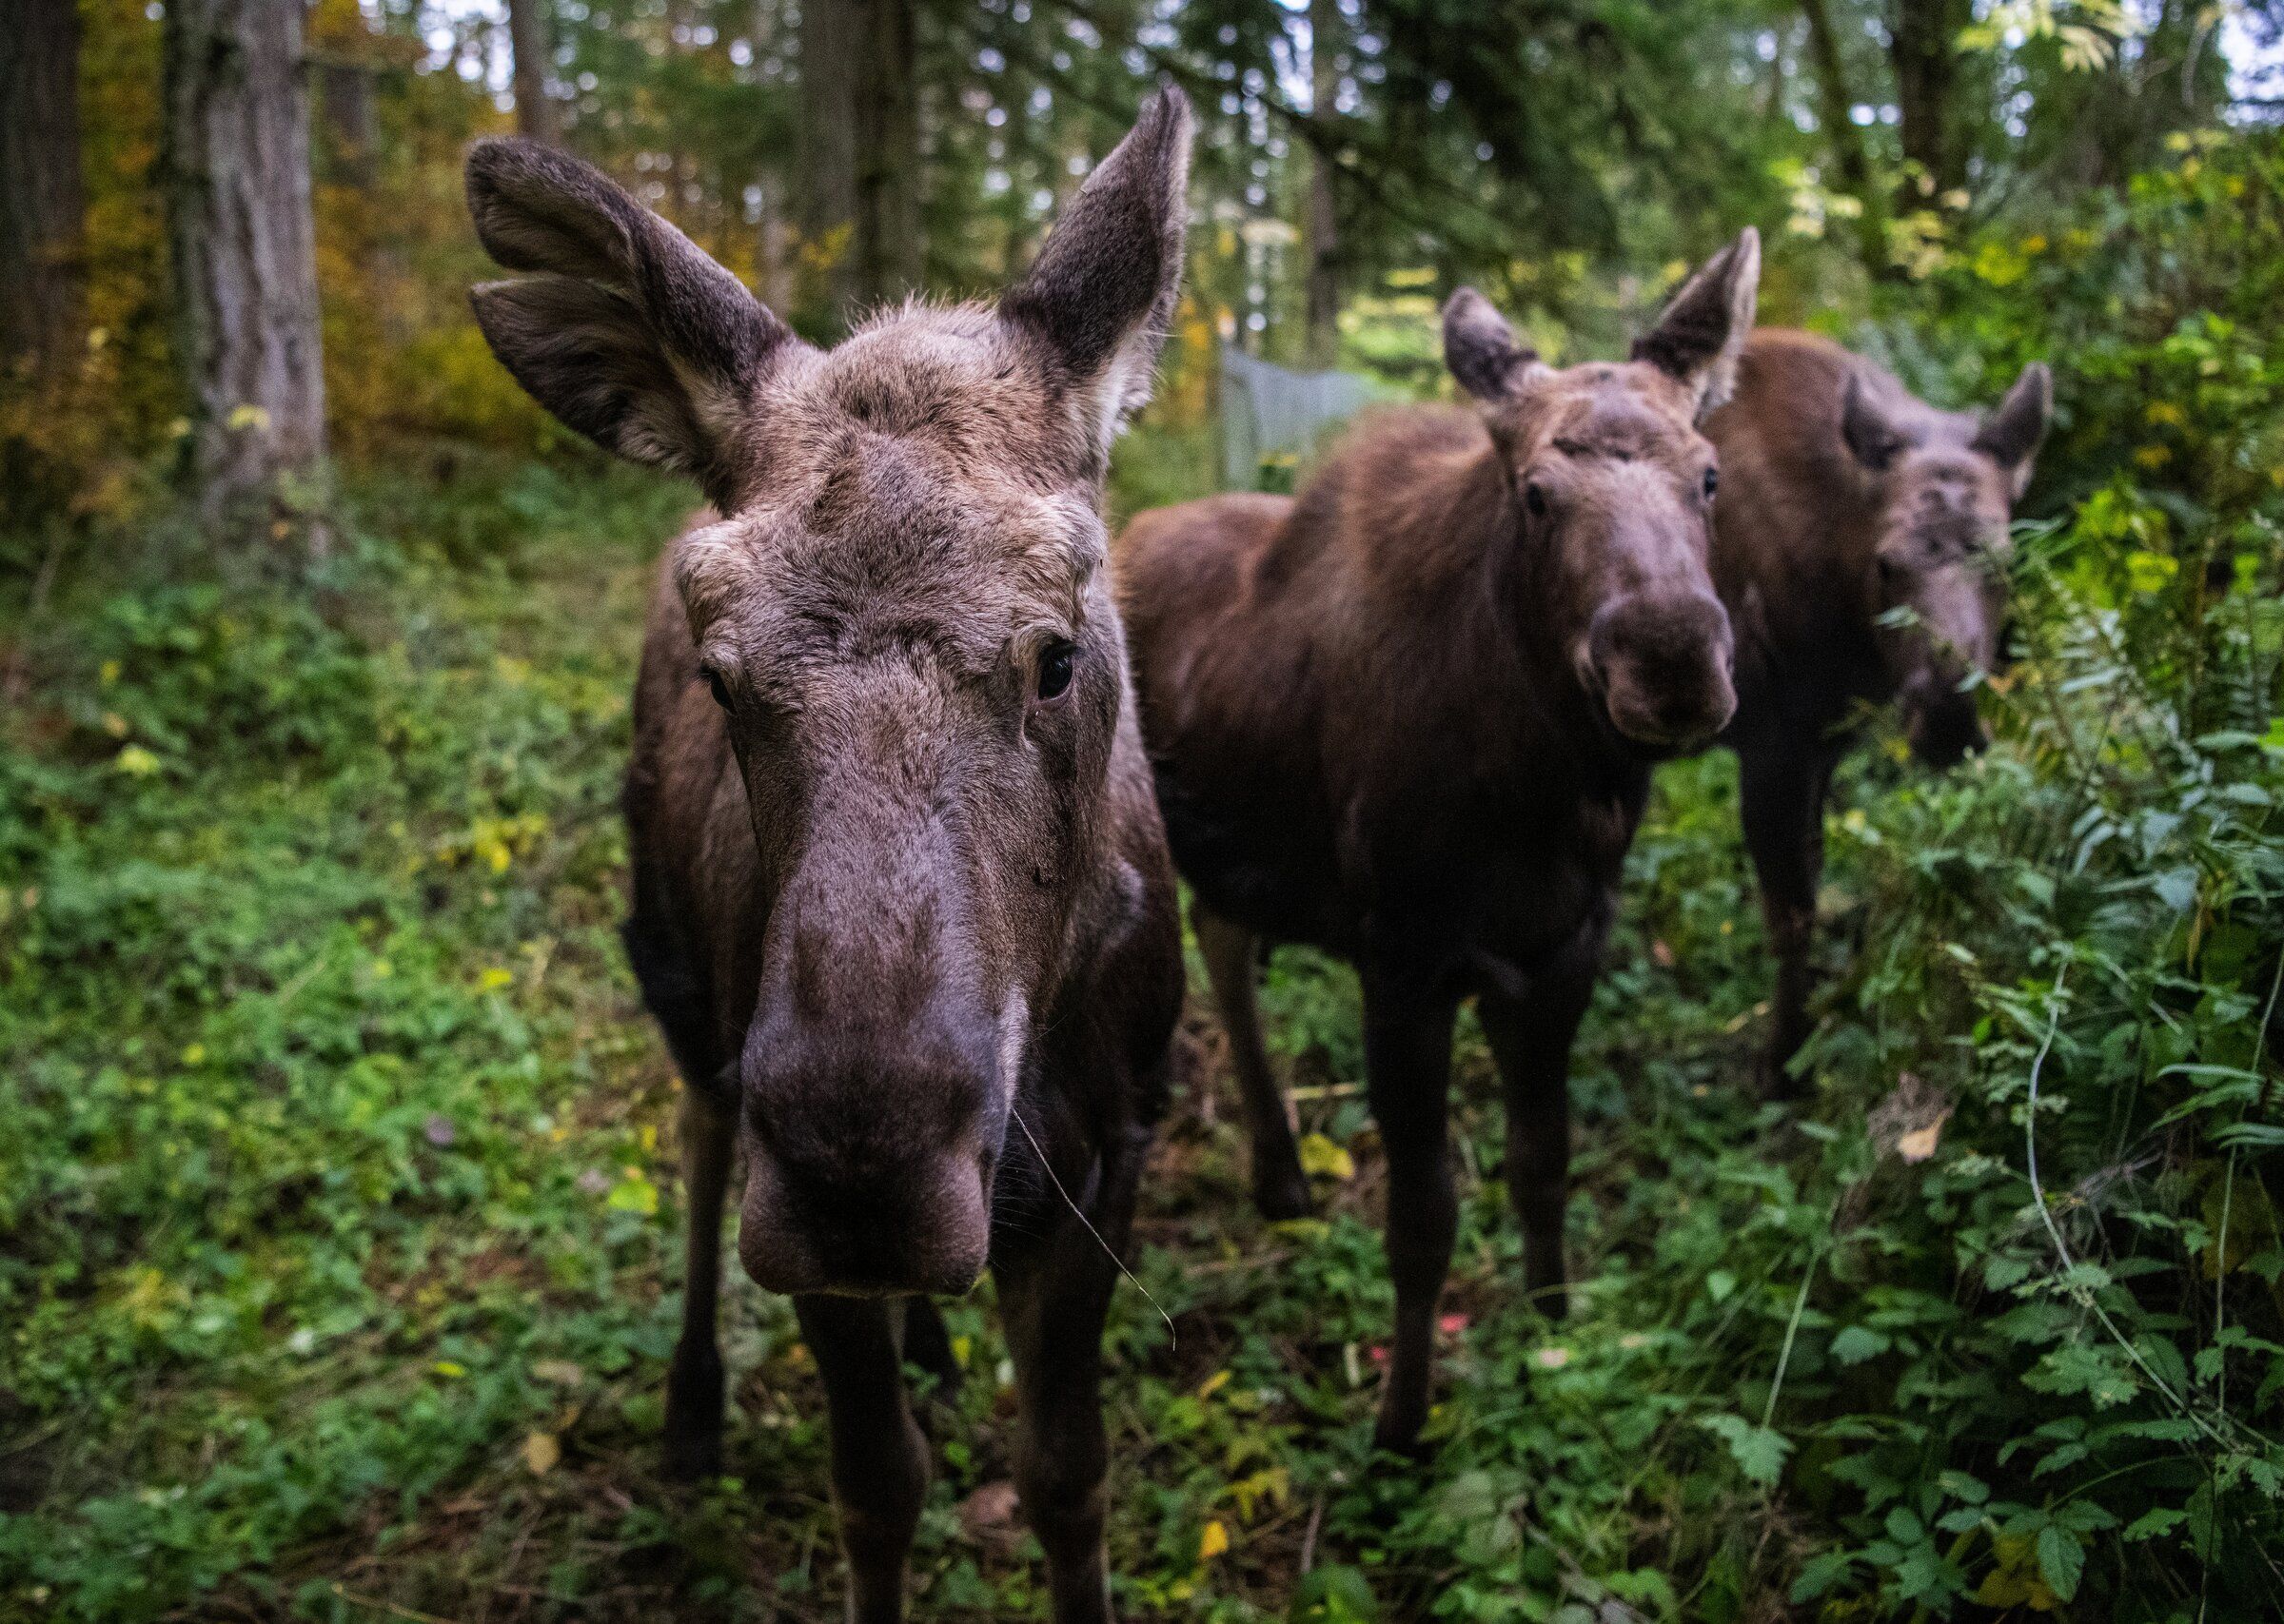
[(1545, 1285), (1282, 1194), (1400, 1436), (694, 1416), (1778, 1085), (693, 1458)]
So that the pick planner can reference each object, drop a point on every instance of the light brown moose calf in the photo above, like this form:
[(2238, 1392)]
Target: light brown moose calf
[(1410, 718), (901, 897), (1860, 545)]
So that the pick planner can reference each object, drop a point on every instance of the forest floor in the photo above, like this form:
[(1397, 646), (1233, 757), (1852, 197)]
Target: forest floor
[(342, 1232)]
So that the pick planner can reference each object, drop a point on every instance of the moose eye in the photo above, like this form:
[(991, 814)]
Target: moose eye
[(720, 689), (1712, 482), (1534, 498), (1055, 669)]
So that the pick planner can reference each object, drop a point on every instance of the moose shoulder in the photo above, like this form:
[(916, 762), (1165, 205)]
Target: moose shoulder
[(1410, 716), (1860, 545), (901, 898)]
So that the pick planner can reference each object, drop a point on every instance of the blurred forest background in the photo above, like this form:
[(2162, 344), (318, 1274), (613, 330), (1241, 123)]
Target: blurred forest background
[(337, 1233)]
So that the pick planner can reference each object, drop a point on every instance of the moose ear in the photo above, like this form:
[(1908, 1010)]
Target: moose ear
[(1482, 350), (622, 327), (1101, 294), (2011, 435), (1698, 339), (1871, 438)]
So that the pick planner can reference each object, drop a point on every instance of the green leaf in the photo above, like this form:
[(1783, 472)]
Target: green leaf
[(1819, 1574), (2062, 1559), (1759, 1452), (2150, 1524), (633, 1193), (1860, 1343)]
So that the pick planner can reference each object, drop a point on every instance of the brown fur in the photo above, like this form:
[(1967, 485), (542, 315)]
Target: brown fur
[(901, 898), (1843, 501), (1410, 718)]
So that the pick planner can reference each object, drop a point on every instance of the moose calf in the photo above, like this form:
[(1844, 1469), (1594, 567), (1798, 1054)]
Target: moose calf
[(1860, 544), (901, 898), (1410, 718)]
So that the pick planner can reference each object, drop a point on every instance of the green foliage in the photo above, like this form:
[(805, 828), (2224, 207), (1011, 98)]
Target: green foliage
[(338, 1223)]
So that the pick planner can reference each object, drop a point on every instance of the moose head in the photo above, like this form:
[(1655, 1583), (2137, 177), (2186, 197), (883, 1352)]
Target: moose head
[(902, 619), (1943, 485), (1613, 486)]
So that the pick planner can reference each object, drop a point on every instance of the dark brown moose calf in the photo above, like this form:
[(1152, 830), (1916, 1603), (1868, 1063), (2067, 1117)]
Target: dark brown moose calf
[(901, 897), (1860, 544), (1410, 718)]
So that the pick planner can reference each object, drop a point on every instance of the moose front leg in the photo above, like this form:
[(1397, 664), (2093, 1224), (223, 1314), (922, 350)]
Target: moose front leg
[(1530, 1034), (879, 1459), (694, 1382), (1054, 1299), (1783, 791), (1408, 1064)]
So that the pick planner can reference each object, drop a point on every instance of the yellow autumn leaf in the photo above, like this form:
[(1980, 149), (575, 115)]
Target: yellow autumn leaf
[(1212, 1540), (136, 761), (541, 1453), (246, 416), (1212, 1384), (1323, 1158), (494, 978), (633, 1193), (451, 1370)]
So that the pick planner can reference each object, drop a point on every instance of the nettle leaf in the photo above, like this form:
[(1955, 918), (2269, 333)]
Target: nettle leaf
[(1963, 1486), (2062, 1561), (2003, 1271), (1759, 1452), (2038, 1321), (1820, 1573), (1860, 1343), (2099, 1373), (2151, 1523)]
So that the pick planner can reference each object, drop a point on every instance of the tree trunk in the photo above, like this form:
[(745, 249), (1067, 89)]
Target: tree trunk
[(1320, 302), (1836, 104), (1923, 45), (239, 228), (536, 114), (43, 202), (860, 126)]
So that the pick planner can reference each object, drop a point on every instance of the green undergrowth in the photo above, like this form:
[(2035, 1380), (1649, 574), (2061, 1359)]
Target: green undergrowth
[(339, 1233)]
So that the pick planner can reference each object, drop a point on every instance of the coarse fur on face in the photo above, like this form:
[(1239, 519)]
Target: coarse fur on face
[(903, 616), (1613, 486)]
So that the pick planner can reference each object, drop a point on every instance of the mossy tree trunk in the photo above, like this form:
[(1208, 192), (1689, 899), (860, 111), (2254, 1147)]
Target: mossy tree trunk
[(240, 232)]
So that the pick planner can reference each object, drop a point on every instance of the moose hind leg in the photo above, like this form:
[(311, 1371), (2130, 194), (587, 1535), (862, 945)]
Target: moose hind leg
[(1280, 1190), (694, 1382), (879, 1459)]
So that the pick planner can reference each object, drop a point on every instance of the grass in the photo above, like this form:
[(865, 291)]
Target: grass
[(339, 1230)]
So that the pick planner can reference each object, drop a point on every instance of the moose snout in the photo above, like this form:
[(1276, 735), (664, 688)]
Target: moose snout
[(869, 1160), (1663, 665)]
